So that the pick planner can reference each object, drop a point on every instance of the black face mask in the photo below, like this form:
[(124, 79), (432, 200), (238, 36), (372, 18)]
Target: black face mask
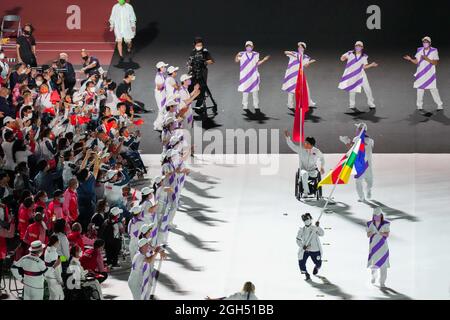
[(62, 61), (27, 33), (85, 58)]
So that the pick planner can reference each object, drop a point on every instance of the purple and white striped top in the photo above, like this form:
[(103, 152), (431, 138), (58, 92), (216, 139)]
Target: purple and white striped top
[(425, 76), (248, 75), (378, 246), (290, 77), (352, 78)]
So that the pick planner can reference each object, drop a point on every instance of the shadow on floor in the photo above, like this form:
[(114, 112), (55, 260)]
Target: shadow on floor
[(257, 116), (173, 256), (392, 213), (340, 208), (329, 288), (198, 191), (369, 116), (195, 241), (391, 294)]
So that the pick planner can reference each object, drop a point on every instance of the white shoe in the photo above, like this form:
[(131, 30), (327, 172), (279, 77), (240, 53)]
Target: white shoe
[(361, 200), (312, 104), (245, 107), (372, 106), (439, 108), (305, 195), (419, 108)]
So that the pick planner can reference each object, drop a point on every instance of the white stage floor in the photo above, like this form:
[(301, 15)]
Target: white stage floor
[(237, 225)]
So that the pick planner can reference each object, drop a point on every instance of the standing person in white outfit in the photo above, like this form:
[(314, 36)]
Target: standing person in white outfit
[(249, 79), (290, 77), (426, 59), (310, 156), (247, 293), (354, 77), (53, 277), (134, 225), (31, 270), (309, 245), (171, 84), (378, 230), (367, 176), (123, 22), (160, 94)]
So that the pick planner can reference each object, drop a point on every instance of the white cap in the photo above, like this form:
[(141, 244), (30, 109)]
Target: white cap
[(136, 210), (172, 69), (359, 43), (172, 101), (302, 44), (158, 179), (168, 121), (377, 211), (361, 125), (8, 119), (249, 43), (185, 77), (146, 191), (116, 211), (110, 174), (36, 246), (161, 64), (142, 242), (426, 39), (146, 228)]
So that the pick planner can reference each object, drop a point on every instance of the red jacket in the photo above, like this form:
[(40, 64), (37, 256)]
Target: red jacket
[(70, 206), (54, 211), (92, 260), (75, 238), (35, 231), (24, 218)]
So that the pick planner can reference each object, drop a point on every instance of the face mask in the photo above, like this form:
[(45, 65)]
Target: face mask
[(62, 61), (27, 33), (2, 56), (121, 2), (377, 218), (358, 49), (61, 199), (44, 199), (307, 222), (188, 82), (248, 49), (198, 48), (38, 83), (23, 71), (133, 78), (426, 45), (92, 89), (107, 209), (85, 58)]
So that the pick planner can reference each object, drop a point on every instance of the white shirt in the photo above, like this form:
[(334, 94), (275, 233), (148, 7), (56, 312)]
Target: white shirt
[(242, 296), (7, 149), (308, 158)]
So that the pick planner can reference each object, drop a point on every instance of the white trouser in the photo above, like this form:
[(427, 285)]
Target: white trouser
[(255, 99), (291, 99), (30, 293), (434, 93), (368, 177), (304, 176), (55, 290), (367, 90), (383, 274), (133, 246)]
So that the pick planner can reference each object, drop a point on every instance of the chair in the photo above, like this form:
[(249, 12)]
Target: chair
[(11, 31)]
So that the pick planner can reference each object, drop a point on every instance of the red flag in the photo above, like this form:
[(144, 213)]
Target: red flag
[(139, 122), (301, 103), (50, 110)]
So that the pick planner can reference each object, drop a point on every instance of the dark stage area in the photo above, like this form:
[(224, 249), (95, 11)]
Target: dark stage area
[(396, 126)]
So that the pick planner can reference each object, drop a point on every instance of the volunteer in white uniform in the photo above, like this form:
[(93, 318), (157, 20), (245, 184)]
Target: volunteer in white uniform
[(123, 22), (53, 277), (133, 229), (160, 94)]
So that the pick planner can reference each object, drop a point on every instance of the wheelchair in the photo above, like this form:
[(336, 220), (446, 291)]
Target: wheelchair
[(312, 183), (83, 292)]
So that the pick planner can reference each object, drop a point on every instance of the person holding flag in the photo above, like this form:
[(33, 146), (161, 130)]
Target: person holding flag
[(354, 77), (290, 77), (359, 157)]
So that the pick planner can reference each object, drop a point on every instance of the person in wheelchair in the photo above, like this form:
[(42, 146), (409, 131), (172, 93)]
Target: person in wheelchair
[(80, 283), (311, 161)]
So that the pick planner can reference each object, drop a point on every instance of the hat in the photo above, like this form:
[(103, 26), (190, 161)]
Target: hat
[(172, 101), (359, 43), (361, 125), (142, 242), (116, 211), (185, 77), (377, 211), (36, 246), (302, 44), (249, 43), (146, 191), (110, 174), (426, 39), (158, 179), (172, 69), (136, 210), (146, 228), (161, 64), (129, 72), (7, 120), (168, 121), (63, 55)]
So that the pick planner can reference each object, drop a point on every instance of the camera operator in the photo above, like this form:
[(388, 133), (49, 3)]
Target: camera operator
[(198, 62), (67, 72)]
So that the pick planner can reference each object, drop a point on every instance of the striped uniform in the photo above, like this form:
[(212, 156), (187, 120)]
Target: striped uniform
[(425, 76), (168, 201), (160, 95), (290, 77), (249, 76), (378, 246), (352, 79)]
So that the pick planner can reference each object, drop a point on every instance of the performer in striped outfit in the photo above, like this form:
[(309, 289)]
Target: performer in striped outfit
[(355, 77), (426, 60), (378, 231), (160, 93), (249, 79), (290, 77)]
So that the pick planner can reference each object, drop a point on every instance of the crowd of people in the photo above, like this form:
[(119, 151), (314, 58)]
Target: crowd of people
[(69, 156)]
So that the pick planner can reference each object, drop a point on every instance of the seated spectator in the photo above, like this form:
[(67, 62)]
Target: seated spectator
[(75, 238), (92, 260)]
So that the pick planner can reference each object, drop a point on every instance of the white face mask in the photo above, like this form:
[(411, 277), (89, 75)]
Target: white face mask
[(198, 48), (23, 71), (133, 77), (307, 222), (92, 89), (106, 209), (2, 56), (38, 83)]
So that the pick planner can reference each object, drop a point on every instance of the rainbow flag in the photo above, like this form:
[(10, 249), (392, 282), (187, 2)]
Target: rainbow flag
[(355, 158)]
